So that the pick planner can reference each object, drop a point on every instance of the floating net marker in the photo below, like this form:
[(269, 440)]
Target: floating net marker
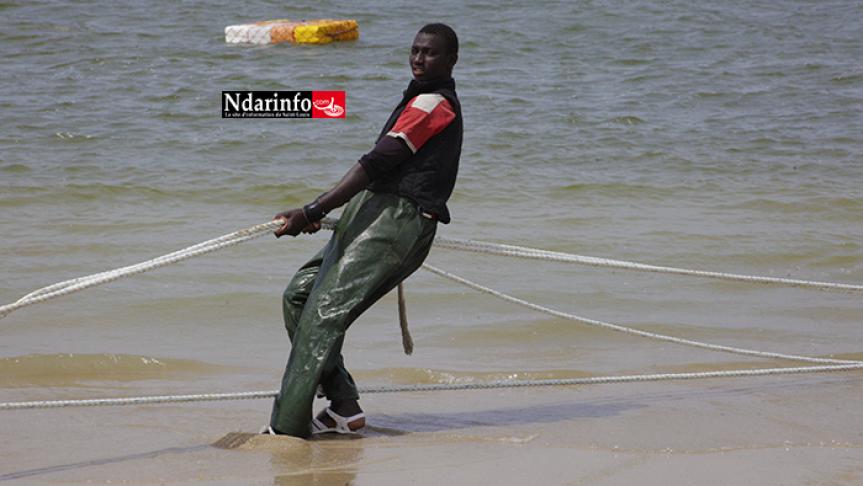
[(322, 31)]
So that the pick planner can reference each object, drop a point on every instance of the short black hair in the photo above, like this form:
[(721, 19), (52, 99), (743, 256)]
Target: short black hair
[(444, 31)]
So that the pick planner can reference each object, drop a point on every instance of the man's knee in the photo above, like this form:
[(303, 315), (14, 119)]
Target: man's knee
[(293, 296), (297, 291)]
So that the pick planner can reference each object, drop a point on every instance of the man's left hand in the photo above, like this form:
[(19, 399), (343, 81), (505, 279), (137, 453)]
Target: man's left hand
[(312, 228)]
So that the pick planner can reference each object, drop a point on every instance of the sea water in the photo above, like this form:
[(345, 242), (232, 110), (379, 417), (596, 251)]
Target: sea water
[(712, 136)]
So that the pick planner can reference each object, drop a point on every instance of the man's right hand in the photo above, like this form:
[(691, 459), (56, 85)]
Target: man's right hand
[(294, 221)]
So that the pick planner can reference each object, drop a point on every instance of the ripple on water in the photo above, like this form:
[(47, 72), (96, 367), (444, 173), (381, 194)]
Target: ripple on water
[(627, 120), (15, 169), (76, 369), (436, 376)]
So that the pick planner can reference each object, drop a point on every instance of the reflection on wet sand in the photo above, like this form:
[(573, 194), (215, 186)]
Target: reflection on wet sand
[(326, 461), (318, 463)]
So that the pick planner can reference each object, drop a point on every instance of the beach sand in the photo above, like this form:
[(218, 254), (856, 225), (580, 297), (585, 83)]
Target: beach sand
[(765, 431)]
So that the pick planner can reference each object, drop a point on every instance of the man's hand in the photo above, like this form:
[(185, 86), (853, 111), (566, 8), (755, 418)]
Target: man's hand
[(294, 221), (312, 228)]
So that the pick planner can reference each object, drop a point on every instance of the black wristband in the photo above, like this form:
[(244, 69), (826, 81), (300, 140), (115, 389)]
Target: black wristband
[(314, 212)]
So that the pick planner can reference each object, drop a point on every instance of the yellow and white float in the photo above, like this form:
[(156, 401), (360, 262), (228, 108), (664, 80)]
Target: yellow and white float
[(322, 31)]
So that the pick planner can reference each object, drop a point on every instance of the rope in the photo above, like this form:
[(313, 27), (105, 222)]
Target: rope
[(539, 254), (74, 285), (433, 387), (231, 239), (81, 283), (628, 330)]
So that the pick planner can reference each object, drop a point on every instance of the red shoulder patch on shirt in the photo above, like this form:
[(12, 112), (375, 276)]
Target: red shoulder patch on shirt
[(424, 117)]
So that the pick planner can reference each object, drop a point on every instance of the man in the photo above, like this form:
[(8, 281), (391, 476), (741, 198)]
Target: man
[(397, 193)]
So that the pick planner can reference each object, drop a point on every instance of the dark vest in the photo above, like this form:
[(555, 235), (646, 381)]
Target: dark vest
[(428, 177)]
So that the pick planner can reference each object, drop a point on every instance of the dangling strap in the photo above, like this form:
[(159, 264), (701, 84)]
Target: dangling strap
[(407, 342)]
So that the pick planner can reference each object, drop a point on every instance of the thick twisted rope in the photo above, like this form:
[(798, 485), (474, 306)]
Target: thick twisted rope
[(538, 254), (81, 283), (433, 387), (231, 239)]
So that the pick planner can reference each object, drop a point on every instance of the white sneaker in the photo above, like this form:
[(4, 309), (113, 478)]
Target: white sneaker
[(344, 425)]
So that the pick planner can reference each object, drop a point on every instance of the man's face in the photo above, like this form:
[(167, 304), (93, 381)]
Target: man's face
[(429, 58)]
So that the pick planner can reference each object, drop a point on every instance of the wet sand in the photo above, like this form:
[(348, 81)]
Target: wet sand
[(776, 430)]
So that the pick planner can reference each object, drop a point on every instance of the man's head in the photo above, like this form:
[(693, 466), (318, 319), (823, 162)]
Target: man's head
[(434, 52)]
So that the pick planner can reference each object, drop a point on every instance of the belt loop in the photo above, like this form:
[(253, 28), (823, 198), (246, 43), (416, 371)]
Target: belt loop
[(426, 213)]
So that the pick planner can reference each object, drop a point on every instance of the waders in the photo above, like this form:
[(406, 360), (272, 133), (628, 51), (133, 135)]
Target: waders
[(379, 240)]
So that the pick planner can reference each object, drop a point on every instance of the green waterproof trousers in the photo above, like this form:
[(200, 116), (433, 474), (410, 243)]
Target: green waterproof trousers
[(379, 240)]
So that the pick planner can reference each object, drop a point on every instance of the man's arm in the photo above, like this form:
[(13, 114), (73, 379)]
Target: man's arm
[(388, 153), (424, 117), (296, 220)]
